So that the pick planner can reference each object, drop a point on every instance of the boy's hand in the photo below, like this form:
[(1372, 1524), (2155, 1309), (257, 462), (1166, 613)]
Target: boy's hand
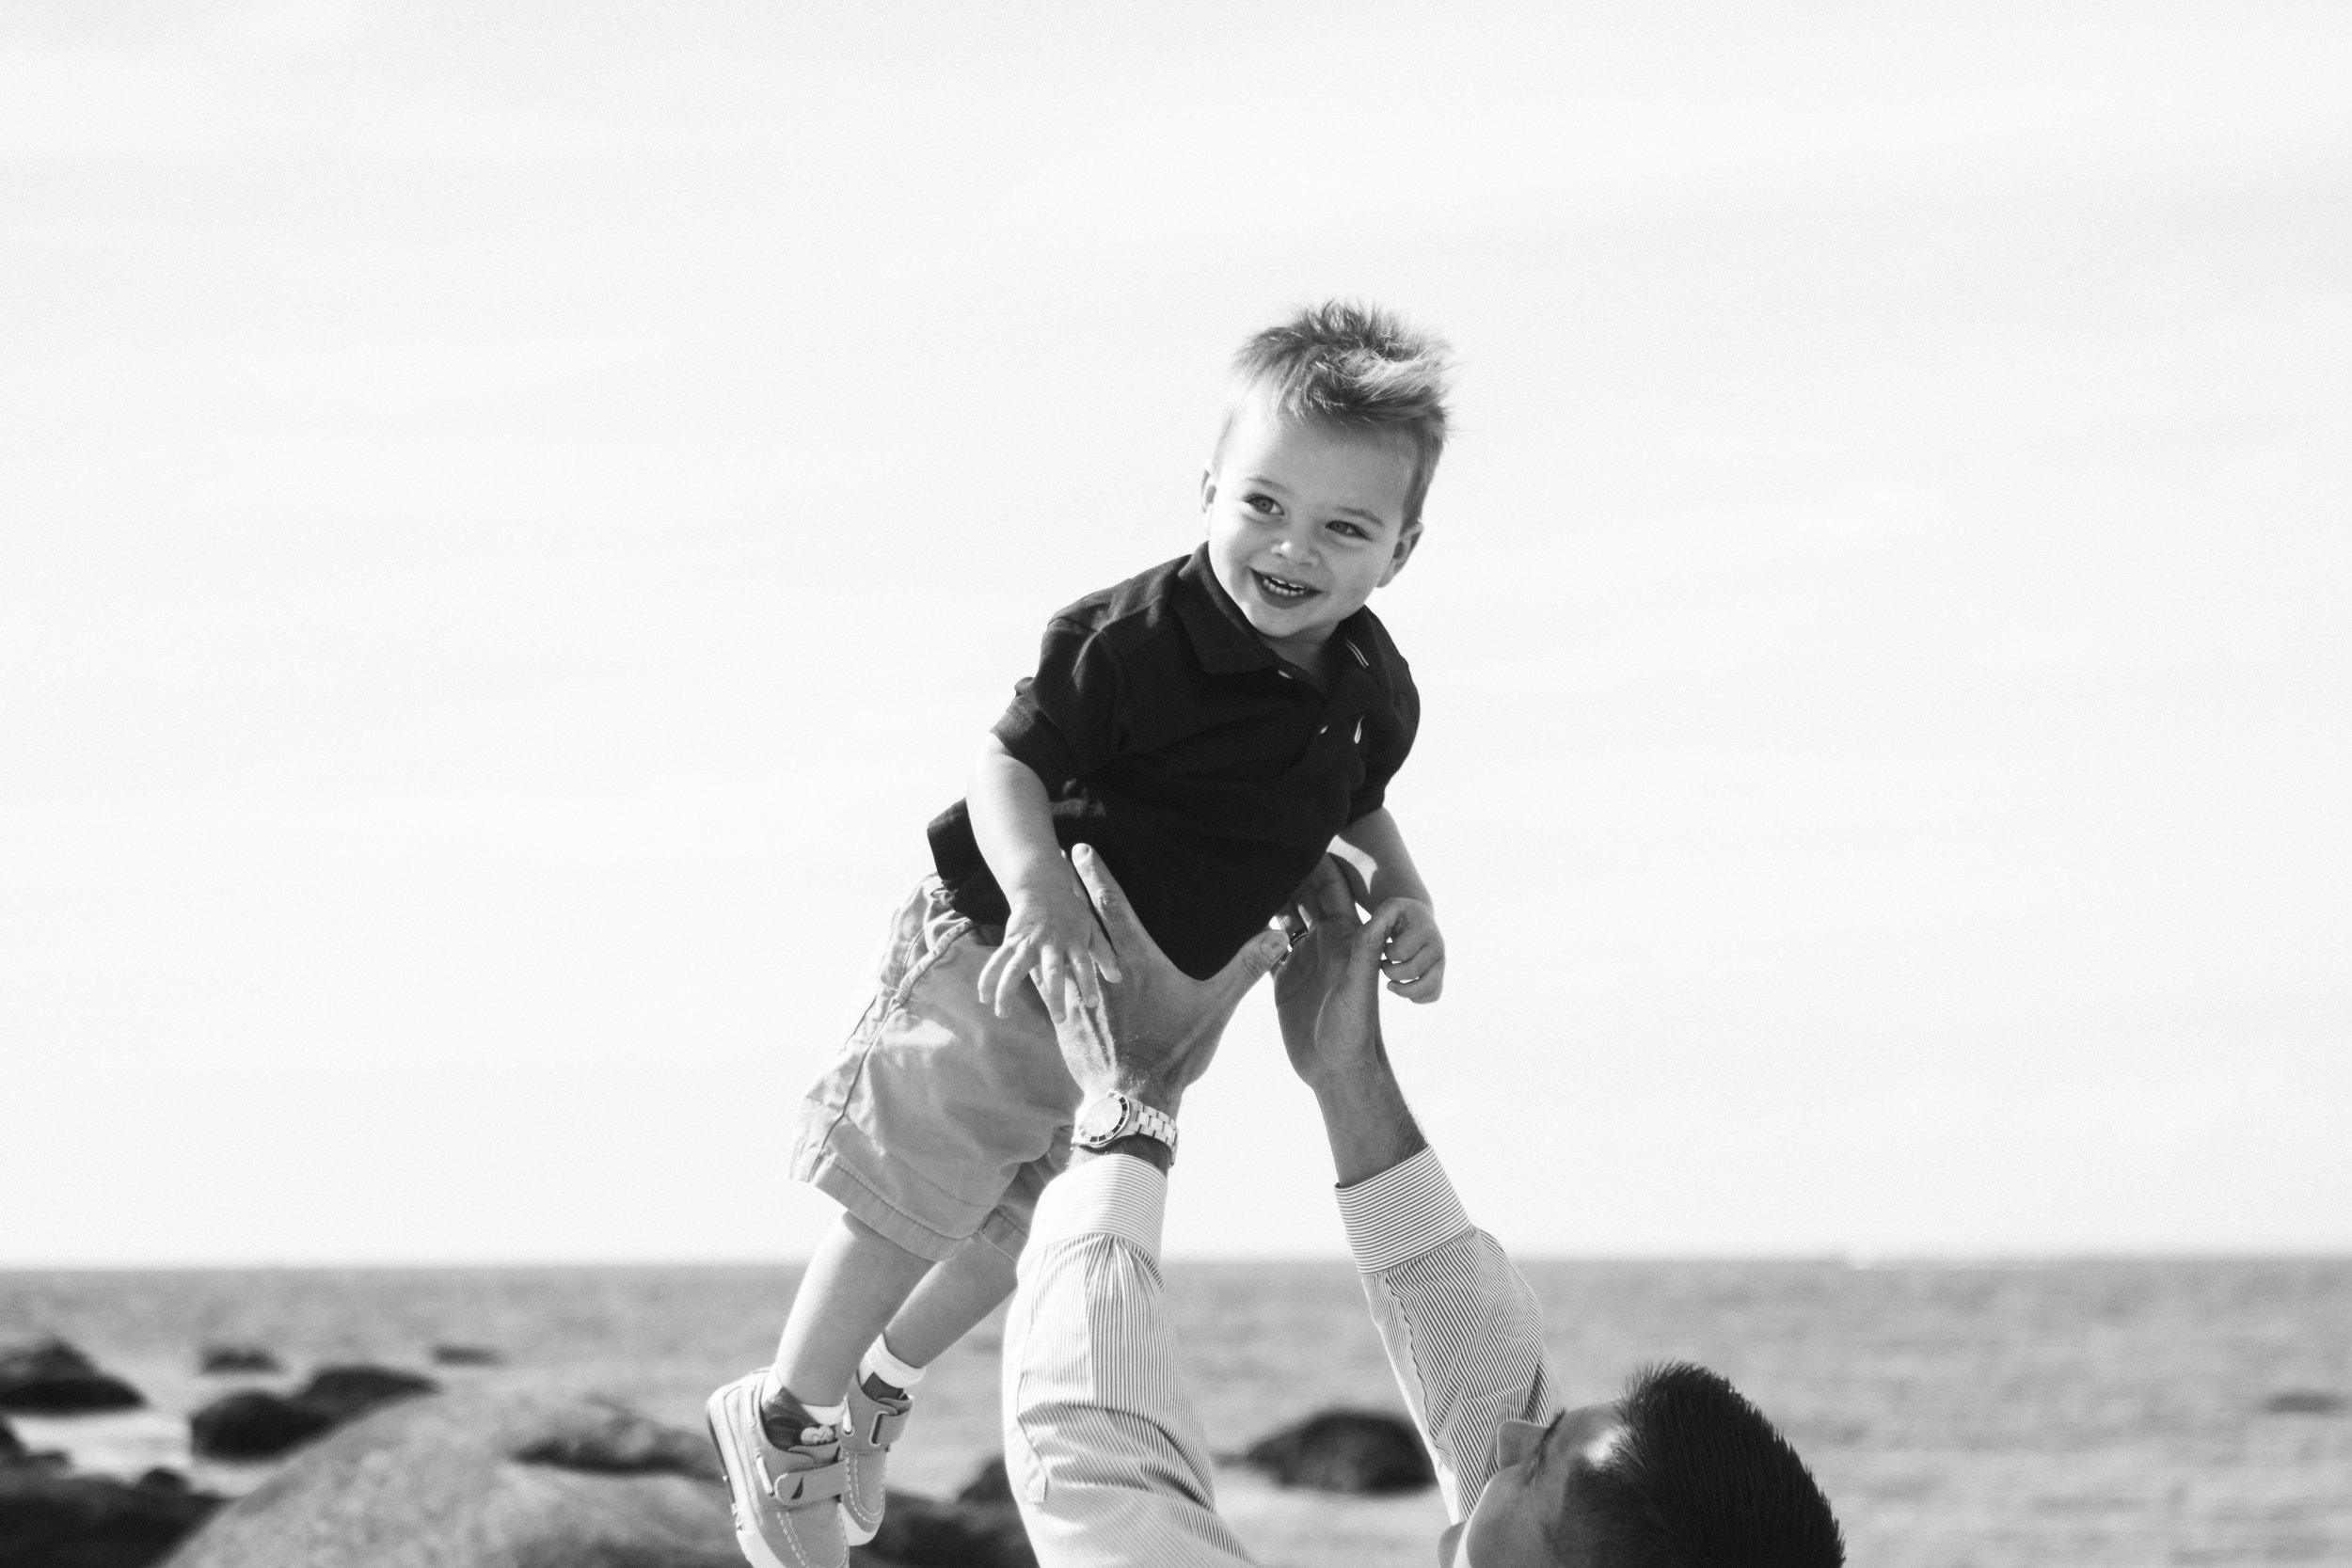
[(1050, 937), (1413, 958)]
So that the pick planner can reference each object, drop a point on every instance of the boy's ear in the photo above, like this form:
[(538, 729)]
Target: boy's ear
[(1406, 539), (1208, 484)]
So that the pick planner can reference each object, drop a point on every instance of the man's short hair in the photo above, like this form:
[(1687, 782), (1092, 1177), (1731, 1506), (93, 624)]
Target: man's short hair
[(1699, 1479), (1354, 366)]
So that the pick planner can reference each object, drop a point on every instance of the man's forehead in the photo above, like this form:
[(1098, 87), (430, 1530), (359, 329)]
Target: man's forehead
[(1590, 1432)]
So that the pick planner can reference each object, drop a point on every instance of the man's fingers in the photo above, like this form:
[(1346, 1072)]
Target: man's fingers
[(1265, 952), (1257, 959), (1326, 894), (1110, 899), (1106, 961)]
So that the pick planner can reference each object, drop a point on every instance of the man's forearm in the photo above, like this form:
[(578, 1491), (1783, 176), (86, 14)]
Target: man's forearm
[(1370, 1127), (1108, 1459)]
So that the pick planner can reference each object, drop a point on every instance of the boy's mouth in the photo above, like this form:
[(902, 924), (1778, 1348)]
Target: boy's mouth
[(1282, 589)]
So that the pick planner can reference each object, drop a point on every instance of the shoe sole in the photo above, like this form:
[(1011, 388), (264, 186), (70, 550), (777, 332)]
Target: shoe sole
[(748, 1540)]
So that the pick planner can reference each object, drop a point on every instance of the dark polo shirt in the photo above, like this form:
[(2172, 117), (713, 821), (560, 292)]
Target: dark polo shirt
[(1210, 774)]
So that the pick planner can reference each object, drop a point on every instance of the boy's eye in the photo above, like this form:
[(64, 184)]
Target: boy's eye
[(1264, 505), (1342, 525)]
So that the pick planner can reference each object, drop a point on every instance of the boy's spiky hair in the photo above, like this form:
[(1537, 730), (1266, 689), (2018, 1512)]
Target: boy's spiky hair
[(1355, 366)]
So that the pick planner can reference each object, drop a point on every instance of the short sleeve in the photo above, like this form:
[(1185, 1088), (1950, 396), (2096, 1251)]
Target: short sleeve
[(1387, 740), (1071, 717)]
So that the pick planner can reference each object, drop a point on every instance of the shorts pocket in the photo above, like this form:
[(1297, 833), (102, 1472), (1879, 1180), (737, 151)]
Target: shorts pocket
[(932, 943)]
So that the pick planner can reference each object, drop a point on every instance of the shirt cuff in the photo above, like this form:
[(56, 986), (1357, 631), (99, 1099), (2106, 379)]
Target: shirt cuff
[(1110, 1194), (1397, 1215)]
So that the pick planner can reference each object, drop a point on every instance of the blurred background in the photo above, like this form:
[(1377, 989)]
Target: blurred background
[(513, 517)]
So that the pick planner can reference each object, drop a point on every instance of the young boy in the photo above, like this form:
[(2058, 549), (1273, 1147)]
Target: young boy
[(1213, 727)]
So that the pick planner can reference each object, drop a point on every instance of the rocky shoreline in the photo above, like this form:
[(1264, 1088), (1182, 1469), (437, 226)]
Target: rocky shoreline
[(383, 1467)]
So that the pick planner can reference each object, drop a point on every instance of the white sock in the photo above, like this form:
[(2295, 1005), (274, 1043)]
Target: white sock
[(819, 1415), (879, 1363)]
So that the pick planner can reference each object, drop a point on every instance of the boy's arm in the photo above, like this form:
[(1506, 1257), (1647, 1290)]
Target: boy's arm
[(1372, 847), (1051, 931)]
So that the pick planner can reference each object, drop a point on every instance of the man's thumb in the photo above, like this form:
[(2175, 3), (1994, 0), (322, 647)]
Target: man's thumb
[(1257, 961)]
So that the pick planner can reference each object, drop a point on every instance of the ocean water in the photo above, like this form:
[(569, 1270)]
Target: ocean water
[(2085, 1414)]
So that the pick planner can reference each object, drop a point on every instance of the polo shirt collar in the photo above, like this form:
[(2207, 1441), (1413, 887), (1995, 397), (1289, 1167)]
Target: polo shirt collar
[(1221, 635)]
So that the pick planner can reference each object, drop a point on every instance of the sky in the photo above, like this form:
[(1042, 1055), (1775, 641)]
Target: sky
[(511, 517)]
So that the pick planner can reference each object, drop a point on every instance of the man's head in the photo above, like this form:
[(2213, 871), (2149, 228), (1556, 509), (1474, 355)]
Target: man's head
[(1679, 1471), (1331, 434)]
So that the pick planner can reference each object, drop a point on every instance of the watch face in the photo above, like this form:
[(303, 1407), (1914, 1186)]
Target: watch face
[(1101, 1121)]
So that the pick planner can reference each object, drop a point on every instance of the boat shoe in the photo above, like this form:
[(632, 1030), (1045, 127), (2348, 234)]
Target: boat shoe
[(875, 1422), (788, 1510)]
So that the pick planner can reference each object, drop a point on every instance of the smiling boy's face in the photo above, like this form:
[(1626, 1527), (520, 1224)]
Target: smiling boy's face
[(1305, 521)]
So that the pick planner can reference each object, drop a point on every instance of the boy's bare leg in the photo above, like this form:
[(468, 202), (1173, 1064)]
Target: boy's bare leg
[(951, 1299), (856, 1282)]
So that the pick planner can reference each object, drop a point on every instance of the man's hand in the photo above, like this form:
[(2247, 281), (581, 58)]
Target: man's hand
[(1329, 999), (1151, 1030), (1327, 994)]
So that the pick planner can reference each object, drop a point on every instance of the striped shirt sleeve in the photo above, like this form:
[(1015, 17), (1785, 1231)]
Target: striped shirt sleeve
[(1108, 1459), (1463, 1331)]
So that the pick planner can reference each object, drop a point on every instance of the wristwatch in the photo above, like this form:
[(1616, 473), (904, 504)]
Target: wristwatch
[(1116, 1115)]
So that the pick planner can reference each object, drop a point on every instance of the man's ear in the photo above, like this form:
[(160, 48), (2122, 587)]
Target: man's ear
[(1405, 540)]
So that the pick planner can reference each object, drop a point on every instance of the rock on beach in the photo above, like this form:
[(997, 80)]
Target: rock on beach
[(512, 1478), (255, 1424), (252, 1425), (50, 1377), (982, 1528), (218, 1360), (2304, 1402), (51, 1520), (1344, 1450), (344, 1392)]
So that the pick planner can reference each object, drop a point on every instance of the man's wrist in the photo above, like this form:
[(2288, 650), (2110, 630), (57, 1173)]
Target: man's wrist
[(1158, 1093), (1368, 1123), (1137, 1145), (1110, 1120)]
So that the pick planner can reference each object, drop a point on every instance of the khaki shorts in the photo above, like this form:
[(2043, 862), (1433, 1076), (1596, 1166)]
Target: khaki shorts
[(937, 1121)]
